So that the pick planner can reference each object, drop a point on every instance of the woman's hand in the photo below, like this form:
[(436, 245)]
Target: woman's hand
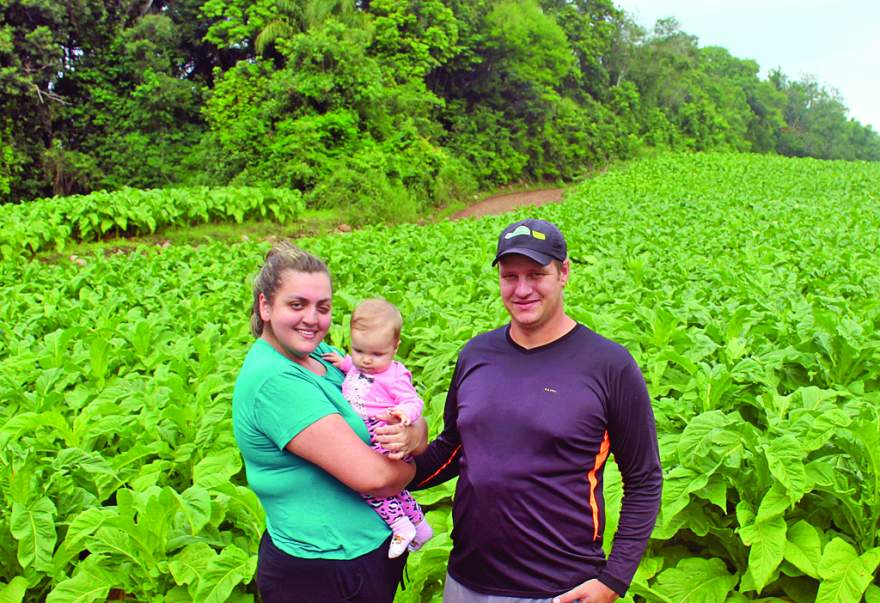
[(400, 440)]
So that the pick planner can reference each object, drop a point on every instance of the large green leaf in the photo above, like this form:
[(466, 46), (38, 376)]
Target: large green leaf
[(786, 460), (14, 591), (195, 505), (715, 492), (216, 468), (696, 580), (189, 565), (677, 487), (774, 503), (845, 574), (766, 541), (803, 548), (33, 525), (91, 582), (83, 526), (822, 426), (230, 568), (115, 542), (706, 438)]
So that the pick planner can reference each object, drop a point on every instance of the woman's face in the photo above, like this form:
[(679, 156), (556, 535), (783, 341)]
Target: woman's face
[(298, 316)]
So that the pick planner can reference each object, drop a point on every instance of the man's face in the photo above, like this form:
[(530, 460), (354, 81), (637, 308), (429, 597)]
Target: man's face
[(532, 293)]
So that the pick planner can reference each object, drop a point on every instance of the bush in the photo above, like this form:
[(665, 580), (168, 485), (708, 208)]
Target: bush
[(365, 197)]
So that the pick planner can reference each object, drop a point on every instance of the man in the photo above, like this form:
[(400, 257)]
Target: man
[(533, 411)]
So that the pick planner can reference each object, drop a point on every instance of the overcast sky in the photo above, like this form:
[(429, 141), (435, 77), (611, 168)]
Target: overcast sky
[(837, 42)]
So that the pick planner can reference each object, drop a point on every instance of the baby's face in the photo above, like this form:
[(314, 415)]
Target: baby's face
[(373, 351)]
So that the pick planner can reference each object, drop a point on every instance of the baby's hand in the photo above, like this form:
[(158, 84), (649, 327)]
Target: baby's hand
[(397, 415), (333, 358)]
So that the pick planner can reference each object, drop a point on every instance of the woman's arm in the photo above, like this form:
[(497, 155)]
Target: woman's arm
[(331, 444)]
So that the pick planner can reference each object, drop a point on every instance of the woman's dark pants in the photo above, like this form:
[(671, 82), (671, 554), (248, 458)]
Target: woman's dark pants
[(370, 578)]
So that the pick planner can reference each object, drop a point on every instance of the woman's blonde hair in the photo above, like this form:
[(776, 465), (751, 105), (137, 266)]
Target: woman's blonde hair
[(377, 313), (282, 257)]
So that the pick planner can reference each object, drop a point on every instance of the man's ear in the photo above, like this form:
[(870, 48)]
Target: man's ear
[(565, 271)]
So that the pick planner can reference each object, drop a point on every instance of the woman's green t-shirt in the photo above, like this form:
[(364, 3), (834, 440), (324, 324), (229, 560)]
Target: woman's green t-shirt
[(309, 513)]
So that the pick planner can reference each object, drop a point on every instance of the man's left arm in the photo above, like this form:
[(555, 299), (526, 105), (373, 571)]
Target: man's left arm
[(633, 436)]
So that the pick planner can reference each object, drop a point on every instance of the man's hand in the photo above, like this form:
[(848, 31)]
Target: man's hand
[(591, 591), (333, 358), (400, 441)]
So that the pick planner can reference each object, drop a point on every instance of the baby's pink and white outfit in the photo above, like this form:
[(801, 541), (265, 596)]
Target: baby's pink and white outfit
[(369, 395)]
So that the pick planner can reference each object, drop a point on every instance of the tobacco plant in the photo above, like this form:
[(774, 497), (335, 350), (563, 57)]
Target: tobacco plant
[(744, 286)]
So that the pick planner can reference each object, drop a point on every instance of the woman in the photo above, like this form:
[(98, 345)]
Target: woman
[(307, 453)]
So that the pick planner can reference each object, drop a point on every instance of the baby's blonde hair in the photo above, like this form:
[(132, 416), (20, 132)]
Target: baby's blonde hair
[(377, 313)]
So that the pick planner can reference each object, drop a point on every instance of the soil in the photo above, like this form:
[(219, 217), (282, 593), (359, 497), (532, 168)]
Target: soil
[(499, 204)]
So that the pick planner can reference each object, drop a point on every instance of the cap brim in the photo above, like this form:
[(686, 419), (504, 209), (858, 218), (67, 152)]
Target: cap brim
[(541, 258)]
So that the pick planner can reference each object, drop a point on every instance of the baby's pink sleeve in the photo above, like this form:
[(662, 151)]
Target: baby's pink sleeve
[(346, 364), (405, 396)]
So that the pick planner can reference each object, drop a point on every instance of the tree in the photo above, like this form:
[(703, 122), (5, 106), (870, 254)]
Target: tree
[(32, 53), (591, 27), (817, 125), (130, 107)]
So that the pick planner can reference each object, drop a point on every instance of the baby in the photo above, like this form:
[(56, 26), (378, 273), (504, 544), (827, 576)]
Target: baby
[(375, 383)]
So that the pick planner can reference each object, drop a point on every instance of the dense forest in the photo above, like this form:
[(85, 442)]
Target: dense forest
[(410, 101)]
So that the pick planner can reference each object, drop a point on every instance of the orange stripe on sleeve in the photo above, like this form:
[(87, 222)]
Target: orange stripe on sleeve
[(604, 449), (442, 467)]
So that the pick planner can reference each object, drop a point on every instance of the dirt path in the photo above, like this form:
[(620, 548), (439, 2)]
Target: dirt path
[(499, 204), (496, 204)]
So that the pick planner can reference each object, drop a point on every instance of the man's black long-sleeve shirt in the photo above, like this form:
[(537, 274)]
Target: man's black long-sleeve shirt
[(528, 432)]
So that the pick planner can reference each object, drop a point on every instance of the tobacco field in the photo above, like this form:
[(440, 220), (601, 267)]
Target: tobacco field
[(745, 286)]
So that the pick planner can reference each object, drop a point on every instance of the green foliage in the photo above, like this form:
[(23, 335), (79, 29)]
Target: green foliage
[(413, 37), (743, 285), (528, 47), (108, 94), (45, 223), (817, 123), (365, 197), (235, 23), (99, 94), (765, 398), (591, 28), (31, 55), (8, 162), (325, 120), (132, 117), (285, 127)]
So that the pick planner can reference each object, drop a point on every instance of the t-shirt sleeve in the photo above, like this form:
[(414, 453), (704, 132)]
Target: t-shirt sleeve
[(286, 404), (633, 437)]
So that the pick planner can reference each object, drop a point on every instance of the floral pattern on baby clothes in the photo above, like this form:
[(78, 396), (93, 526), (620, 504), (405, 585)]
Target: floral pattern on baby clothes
[(356, 388)]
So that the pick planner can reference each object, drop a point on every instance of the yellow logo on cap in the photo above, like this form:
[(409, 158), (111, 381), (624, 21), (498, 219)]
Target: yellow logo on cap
[(523, 230)]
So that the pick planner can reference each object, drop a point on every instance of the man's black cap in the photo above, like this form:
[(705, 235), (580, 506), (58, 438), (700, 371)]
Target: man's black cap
[(538, 240)]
